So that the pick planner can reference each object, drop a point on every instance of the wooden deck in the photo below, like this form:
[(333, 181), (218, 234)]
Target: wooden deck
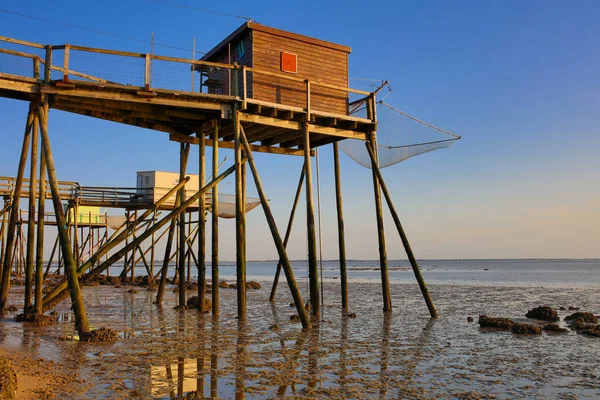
[(270, 127)]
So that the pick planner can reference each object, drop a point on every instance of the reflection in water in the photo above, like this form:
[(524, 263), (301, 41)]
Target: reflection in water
[(405, 355)]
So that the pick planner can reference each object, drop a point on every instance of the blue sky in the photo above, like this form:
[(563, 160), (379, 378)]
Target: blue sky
[(518, 80)]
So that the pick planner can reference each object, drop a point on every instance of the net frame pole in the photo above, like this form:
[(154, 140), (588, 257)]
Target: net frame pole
[(385, 280)]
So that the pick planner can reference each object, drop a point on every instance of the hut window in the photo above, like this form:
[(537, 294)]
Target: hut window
[(288, 62)]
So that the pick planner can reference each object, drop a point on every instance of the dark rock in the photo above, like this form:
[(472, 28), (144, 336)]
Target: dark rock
[(469, 319), (579, 324), (525, 329), (307, 306), (253, 285), (571, 308), (37, 319), (223, 284), (274, 327), (352, 315), (554, 328), (100, 335), (294, 318), (193, 303), (545, 313), (587, 317), (494, 322), (591, 331), (292, 305), (12, 308), (132, 290), (562, 309)]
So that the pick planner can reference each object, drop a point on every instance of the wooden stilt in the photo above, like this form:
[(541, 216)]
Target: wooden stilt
[(39, 252), (385, 281), (81, 322), (287, 268), (201, 225), (14, 214), (313, 271), (287, 234), (30, 258), (403, 237), (183, 156), (340, 219), (214, 257), (240, 232)]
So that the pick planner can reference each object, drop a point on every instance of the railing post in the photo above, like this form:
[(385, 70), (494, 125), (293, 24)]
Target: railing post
[(307, 100), (66, 64), (48, 64), (147, 73), (244, 88), (36, 68)]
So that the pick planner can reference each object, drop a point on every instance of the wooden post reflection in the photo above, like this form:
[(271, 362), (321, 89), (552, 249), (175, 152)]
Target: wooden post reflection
[(200, 358), (385, 346), (214, 357), (298, 347), (240, 368), (313, 357), (343, 348)]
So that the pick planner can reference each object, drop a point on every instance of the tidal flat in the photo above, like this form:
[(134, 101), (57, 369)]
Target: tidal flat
[(165, 353)]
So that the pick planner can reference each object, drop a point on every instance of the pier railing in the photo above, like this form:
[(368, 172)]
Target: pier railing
[(155, 73)]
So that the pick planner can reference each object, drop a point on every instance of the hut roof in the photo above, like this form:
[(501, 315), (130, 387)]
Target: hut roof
[(258, 27)]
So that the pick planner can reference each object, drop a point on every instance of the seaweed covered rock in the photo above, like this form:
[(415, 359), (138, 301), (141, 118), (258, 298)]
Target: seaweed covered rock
[(294, 318), (223, 284), (591, 331), (545, 313), (8, 380), (578, 324), (553, 328), (194, 303), (100, 335), (494, 322), (525, 329), (586, 316), (37, 319), (253, 285)]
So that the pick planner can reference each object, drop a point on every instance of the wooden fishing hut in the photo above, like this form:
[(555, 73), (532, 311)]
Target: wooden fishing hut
[(260, 90)]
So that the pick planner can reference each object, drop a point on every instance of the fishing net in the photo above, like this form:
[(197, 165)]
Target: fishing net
[(227, 205), (399, 137)]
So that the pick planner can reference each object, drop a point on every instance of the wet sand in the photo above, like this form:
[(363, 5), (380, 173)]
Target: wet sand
[(164, 353)]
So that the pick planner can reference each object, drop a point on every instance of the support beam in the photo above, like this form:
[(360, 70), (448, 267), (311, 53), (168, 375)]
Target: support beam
[(385, 280), (240, 226), (287, 233), (340, 220), (313, 272), (81, 322), (14, 213), (214, 257), (287, 268), (183, 157), (30, 257), (403, 237), (201, 225)]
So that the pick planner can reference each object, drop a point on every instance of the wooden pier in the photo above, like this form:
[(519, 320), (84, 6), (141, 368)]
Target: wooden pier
[(240, 100)]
